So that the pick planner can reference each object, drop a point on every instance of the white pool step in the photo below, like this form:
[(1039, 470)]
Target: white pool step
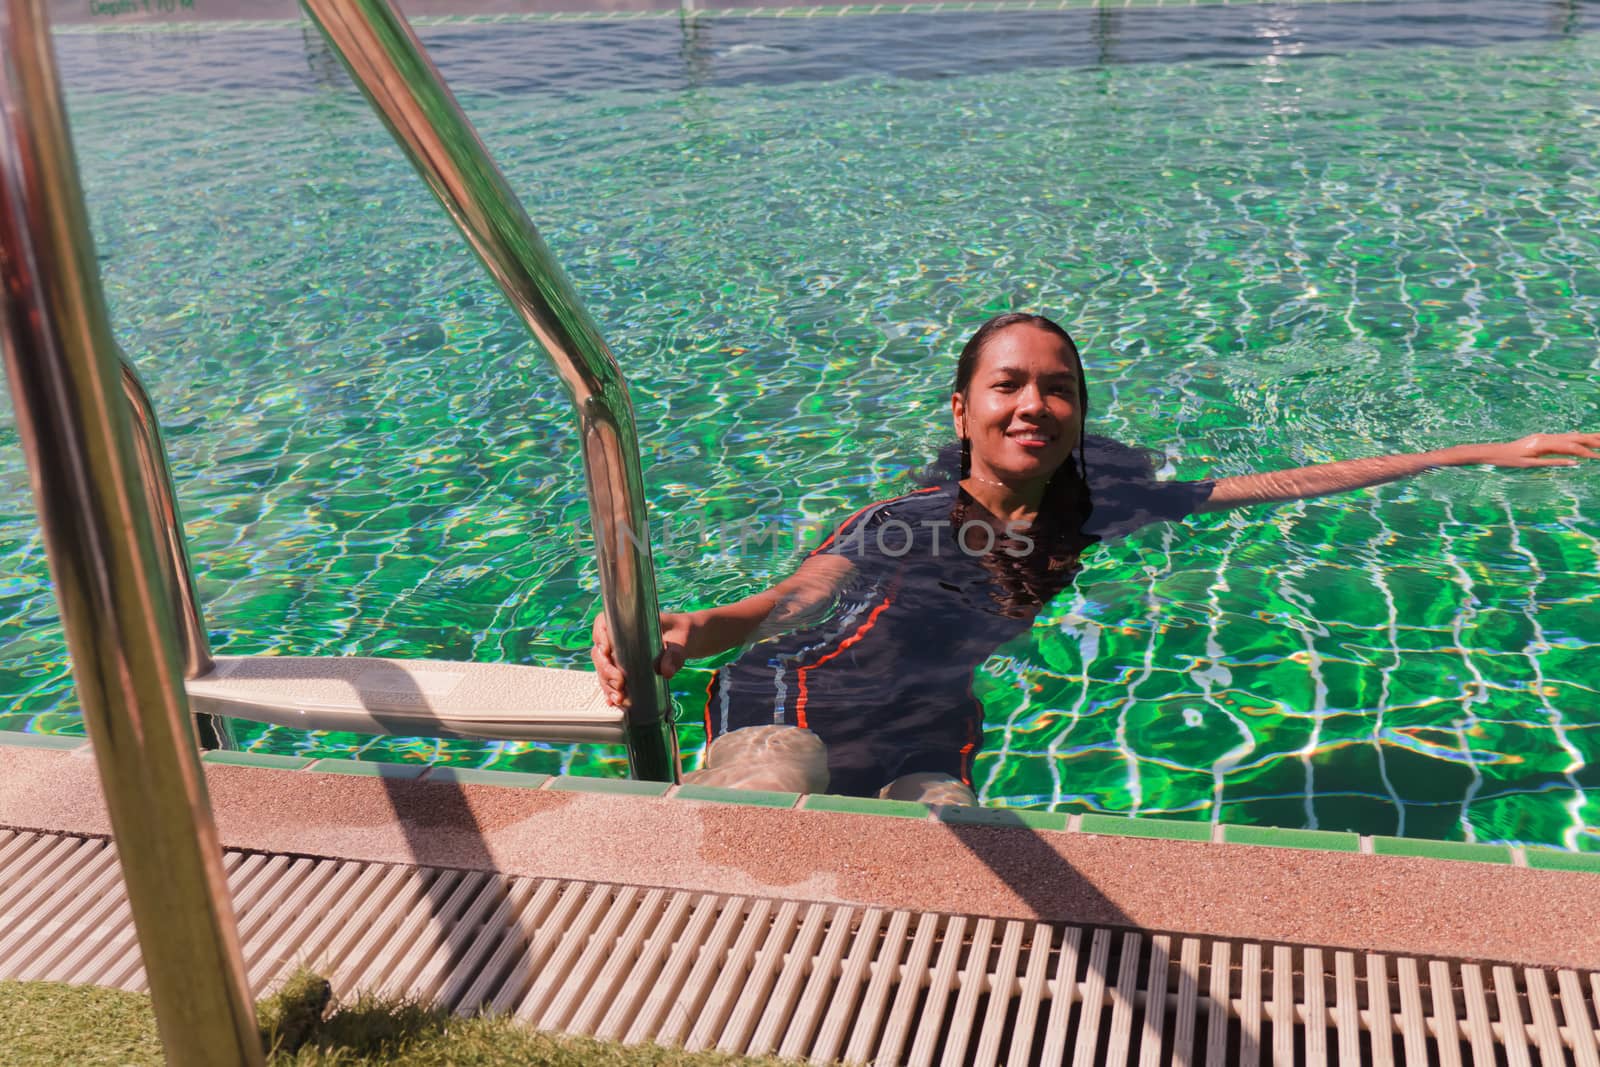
[(809, 980), (409, 698)]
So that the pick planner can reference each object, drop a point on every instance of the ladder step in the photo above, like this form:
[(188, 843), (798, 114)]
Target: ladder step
[(409, 698)]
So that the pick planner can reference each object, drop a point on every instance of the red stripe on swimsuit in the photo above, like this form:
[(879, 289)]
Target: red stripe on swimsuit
[(800, 698), (966, 753), (711, 689)]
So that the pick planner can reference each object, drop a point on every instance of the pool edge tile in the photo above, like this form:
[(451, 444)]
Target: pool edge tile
[(486, 776), (1159, 829), (1459, 851), (57, 742), (268, 760), (1282, 837), (1550, 859), (573, 783), (897, 809), (716, 794), (1005, 818), (368, 769)]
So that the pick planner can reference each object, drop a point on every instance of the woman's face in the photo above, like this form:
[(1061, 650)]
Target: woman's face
[(1021, 409)]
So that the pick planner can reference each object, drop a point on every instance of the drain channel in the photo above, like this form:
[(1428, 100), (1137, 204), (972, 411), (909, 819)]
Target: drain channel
[(813, 981)]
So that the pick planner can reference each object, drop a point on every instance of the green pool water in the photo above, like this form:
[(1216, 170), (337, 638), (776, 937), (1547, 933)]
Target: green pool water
[(1269, 259)]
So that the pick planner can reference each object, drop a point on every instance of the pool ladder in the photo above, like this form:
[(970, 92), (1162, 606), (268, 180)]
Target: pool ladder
[(120, 568), (430, 697)]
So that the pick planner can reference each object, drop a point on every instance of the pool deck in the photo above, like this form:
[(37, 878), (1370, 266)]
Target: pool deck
[(902, 856)]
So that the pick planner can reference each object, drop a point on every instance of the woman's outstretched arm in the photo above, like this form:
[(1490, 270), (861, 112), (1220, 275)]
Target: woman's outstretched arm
[(1539, 450), (711, 631)]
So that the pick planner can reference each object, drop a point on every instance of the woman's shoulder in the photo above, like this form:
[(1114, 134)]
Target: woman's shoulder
[(928, 499), (1128, 490)]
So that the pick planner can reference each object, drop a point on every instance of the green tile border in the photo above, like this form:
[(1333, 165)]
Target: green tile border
[(484, 776), (571, 783), (1535, 857), (59, 742), (1016, 818), (1277, 837), (256, 759), (758, 798), (1441, 850), (899, 809), (1549, 859), (1128, 826), (803, 11), (362, 769)]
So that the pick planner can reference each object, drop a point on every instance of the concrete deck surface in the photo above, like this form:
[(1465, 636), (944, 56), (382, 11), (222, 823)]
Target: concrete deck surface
[(1392, 904)]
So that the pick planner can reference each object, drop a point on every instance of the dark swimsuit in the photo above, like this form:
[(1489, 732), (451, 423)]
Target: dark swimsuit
[(886, 679)]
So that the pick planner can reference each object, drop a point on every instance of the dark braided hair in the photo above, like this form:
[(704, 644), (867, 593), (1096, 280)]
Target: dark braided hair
[(1025, 581)]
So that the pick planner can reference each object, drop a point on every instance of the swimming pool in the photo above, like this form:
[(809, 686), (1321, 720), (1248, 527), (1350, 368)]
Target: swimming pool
[(1279, 237)]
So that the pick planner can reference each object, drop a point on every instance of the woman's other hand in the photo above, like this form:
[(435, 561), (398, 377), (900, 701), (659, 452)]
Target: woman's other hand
[(1536, 450), (675, 631)]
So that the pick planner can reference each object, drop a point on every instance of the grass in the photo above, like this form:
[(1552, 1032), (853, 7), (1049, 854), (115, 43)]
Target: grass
[(46, 1023)]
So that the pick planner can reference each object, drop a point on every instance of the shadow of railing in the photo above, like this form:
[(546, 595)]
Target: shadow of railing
[(1122, 959)]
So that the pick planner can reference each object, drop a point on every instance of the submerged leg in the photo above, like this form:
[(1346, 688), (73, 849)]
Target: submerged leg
[(930, 787), (783, 758)]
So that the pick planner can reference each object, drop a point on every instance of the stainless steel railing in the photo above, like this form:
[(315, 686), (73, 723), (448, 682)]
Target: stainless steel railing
[(112, 532), (116, 605), (392, 68), (161, 504), (161, 500)]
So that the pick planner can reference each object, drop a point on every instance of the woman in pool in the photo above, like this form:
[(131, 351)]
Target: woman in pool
[(857, 674)]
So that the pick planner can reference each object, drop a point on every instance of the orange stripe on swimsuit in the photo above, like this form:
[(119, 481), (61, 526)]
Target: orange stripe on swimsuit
[(711, 689), (966, 753), (800, 698)]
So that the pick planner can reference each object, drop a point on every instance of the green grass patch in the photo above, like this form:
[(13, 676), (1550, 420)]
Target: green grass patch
[(49, 1023), (46, 1023)]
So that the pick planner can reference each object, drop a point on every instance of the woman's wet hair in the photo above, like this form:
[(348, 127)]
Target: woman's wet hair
[(1026, 580)]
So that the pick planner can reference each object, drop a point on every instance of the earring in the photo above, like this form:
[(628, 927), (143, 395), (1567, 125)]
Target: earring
[(966, 457)]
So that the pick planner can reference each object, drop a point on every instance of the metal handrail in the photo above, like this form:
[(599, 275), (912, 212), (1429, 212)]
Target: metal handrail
[(116, 604), (483, 205), (161, 501), (393, 70), (161, 504)]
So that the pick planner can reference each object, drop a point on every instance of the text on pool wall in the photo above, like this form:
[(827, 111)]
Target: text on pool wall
[(114, 8)]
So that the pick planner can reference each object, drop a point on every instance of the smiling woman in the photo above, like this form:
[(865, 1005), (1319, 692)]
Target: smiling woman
[(857, 678), (1026, 408)]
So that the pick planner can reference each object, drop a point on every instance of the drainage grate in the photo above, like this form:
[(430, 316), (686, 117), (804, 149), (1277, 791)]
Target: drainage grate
[(806, 980)]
